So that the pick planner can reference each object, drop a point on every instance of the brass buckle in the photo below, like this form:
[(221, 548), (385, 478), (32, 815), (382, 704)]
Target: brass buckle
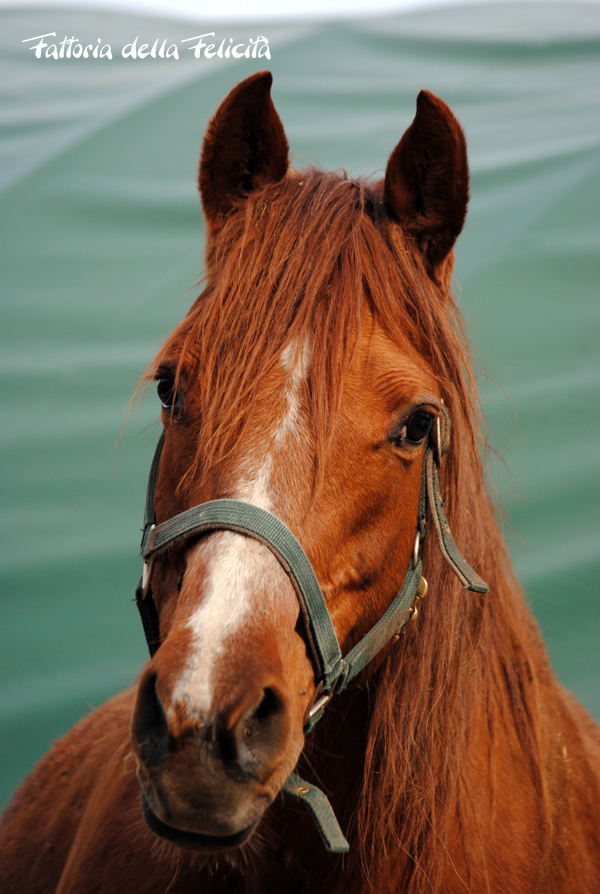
[(421, 594)]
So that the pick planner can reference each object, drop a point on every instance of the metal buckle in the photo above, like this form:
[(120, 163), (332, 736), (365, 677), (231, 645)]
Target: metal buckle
[(318, 705), (318, 701), (416, 549), (438, 440), (421, 594), (147, 576)]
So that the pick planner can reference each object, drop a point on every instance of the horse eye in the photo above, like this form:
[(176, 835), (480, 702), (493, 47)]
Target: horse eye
[(418, 427), (415, 430), (166, 392)]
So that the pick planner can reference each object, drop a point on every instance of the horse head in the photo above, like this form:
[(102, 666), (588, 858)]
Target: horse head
[(306, 381)]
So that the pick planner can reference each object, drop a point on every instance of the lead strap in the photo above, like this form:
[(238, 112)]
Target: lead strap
[(322, 812)]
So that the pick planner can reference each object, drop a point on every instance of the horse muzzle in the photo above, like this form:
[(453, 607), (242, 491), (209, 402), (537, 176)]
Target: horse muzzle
[(206, 780)]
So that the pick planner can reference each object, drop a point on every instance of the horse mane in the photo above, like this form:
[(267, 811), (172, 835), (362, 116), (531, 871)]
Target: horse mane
[(262, 294), (303, 257)]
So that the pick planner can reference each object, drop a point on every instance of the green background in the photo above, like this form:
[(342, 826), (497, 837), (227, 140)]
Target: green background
[(101, 245)]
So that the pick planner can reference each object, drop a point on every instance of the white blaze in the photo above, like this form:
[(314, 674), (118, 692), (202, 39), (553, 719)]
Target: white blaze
[(239, 567)]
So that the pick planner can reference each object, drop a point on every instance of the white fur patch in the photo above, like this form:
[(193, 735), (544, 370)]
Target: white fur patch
[(239, 568), (297, 363)]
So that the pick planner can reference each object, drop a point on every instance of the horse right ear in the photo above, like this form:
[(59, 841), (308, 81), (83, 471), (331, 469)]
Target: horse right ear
[(427, 180), (245, 147)]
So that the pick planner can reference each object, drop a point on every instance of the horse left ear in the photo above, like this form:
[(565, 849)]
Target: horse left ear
[(427, 179), (245, 146)]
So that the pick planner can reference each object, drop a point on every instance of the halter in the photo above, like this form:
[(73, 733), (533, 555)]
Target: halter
[(333, 672)]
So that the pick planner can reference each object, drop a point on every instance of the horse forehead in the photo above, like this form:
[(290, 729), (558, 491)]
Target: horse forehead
[(277, 429), (385, 365)]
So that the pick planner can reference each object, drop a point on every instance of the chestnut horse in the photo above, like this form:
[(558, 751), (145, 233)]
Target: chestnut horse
[(312, 386)]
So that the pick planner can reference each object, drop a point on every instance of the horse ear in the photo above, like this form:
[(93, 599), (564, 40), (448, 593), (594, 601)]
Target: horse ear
[(245, 146), (427, 179)]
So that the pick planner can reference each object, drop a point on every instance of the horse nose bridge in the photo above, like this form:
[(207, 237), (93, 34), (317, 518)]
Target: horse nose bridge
[(232, 678), (239, 610)]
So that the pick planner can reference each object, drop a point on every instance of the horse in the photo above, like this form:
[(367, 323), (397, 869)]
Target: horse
[(325, 587)]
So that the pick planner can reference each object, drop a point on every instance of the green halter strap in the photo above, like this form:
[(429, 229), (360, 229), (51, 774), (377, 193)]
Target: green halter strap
[(332, 671)]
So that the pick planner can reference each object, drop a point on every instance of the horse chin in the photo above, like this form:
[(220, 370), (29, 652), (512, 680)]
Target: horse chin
[(199, 805), (199, 841)]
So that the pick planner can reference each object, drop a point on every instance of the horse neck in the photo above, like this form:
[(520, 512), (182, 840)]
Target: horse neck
[(451, 759)]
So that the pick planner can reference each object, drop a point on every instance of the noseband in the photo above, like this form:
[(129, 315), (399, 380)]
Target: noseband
[(333, 672)]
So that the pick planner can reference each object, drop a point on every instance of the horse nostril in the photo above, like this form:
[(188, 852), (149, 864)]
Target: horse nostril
[(270, 704), (251, 737), (225, 744), (262, 720), (149, 724)]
